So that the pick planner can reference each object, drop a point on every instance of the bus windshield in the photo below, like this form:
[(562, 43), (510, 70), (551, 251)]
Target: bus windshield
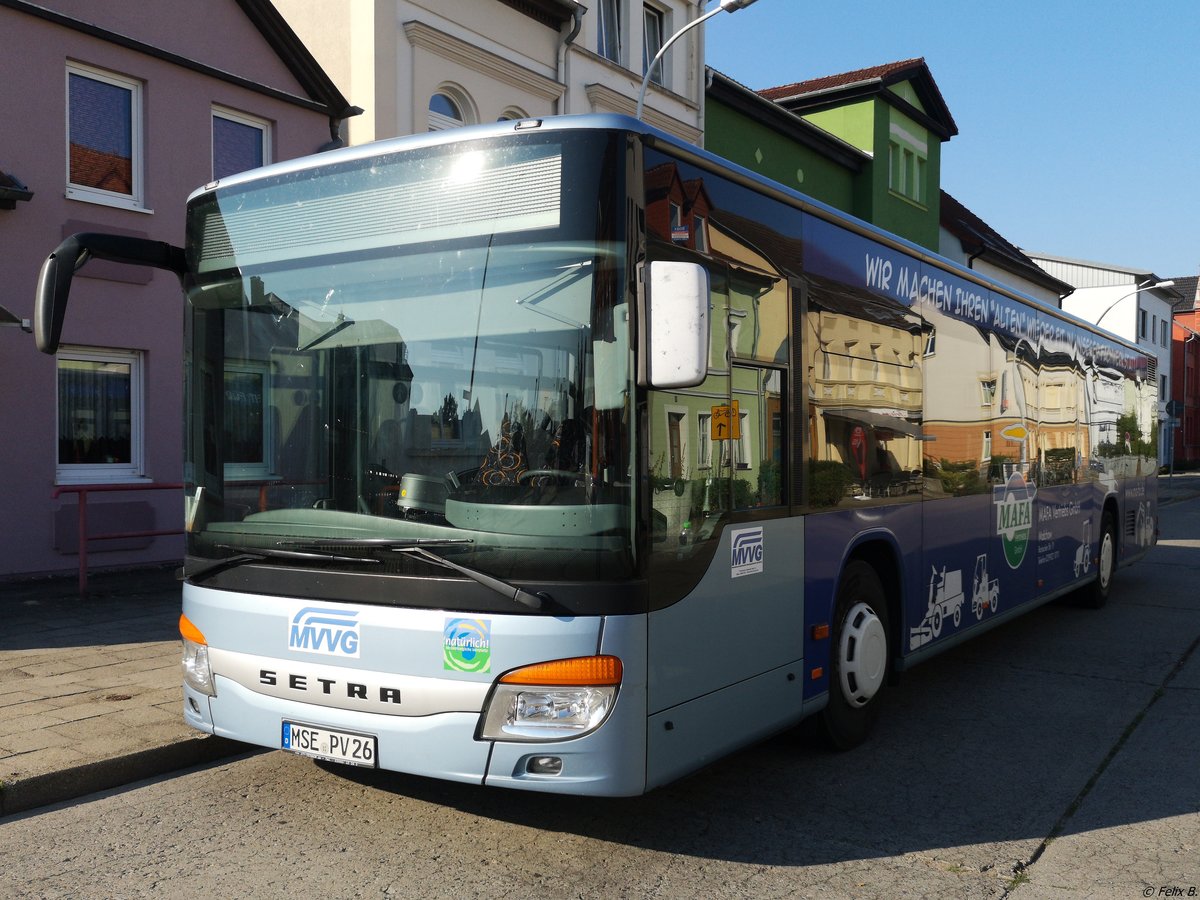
[(421, 347)]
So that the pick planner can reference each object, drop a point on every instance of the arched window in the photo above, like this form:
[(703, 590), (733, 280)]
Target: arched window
[(445, 112)]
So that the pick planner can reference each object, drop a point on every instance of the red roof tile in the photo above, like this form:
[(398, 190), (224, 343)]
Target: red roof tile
[(858, 76)]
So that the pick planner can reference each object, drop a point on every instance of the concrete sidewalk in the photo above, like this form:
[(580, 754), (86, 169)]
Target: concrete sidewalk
[(90, 694)]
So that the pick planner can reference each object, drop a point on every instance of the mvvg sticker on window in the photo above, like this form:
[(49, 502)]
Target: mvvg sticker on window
[(747, 552)]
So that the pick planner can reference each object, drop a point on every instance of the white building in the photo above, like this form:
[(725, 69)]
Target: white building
[(418, 65), (1129, 303)]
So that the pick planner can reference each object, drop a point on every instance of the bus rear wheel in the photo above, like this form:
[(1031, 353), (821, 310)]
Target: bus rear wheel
[(860, 657), (1095, 595)]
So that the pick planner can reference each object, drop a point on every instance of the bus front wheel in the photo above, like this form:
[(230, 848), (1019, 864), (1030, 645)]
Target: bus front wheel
[(860, 657)]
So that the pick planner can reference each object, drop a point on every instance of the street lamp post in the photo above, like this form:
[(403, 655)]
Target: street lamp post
[(726, 6), (1146, 287)]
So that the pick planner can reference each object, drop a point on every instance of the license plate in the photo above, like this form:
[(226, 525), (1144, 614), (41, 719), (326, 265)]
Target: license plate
[(325, 743)]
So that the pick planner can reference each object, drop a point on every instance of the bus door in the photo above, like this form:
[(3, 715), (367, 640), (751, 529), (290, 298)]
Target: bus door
[(726, 567)]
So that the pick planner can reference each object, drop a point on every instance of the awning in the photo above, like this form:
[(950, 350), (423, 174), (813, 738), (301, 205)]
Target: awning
[(880, 421)]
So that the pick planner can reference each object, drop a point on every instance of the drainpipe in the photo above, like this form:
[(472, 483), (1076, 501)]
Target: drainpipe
[(335, 141), (563, 107), (974, 256)]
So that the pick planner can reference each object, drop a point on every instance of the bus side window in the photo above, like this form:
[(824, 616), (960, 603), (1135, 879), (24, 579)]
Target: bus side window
[(756, 455)]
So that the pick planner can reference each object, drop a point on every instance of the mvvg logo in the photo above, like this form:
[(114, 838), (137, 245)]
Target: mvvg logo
[(747, 552), (333, 632)]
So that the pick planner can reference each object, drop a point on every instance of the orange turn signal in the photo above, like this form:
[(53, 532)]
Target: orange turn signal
[(191, 632), (820, 632), (581, 671)]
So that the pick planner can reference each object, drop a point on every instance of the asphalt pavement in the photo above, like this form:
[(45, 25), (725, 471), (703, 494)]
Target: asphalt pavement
[(90, 695)]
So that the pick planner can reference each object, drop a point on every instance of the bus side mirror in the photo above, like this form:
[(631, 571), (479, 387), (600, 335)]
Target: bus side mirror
[(54, 280), (53, 288), (676, 324)]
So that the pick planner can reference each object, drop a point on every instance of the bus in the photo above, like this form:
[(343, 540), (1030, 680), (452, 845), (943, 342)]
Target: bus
[(562, 455)]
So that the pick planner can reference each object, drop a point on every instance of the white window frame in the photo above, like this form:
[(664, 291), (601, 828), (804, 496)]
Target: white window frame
[(462, 102), (134, 200), (987, 390), (256, 471), (704, 441), (701, 226), (262, 125), (743, 460), (908, 156), (605, 10), (683, 418), (649, 10), (101, 473)]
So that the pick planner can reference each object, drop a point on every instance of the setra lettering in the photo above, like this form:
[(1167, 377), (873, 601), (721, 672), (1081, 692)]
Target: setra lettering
[(353, 690)]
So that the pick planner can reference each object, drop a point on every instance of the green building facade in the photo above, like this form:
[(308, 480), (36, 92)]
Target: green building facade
[(867, 142)]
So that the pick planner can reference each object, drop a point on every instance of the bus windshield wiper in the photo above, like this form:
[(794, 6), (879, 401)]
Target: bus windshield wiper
[(246, 555), (419, 547)]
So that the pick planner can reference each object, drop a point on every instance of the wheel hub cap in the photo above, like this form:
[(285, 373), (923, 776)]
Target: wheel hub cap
[(863, 655)]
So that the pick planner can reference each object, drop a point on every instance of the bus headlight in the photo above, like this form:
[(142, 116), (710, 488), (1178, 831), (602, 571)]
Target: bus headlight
[(552, 701), (197, 673)]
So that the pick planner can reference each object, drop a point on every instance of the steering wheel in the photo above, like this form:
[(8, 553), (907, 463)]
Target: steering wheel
[(557, 473)]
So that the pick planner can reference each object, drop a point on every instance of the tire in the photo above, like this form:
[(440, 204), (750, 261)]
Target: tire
[(1095, 595), (860, 659)]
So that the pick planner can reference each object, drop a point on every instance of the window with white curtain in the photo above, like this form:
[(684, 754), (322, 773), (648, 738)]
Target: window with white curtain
[(100, 423), (608, 43), (653, 36)]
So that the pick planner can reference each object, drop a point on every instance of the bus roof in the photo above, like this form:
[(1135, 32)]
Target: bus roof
[(675, 146)]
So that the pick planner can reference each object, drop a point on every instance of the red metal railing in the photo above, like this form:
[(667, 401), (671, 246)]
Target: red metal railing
[(83, 490)]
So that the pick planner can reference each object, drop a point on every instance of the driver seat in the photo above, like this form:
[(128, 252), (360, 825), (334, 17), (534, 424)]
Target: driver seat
[(506, 459)]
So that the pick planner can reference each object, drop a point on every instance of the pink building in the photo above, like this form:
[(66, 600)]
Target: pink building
[(114, 113), (1185, 372)]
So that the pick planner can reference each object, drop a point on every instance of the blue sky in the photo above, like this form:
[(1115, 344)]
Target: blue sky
[(1079, 123)]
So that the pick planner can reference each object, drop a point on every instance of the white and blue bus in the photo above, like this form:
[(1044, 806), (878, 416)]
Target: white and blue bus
[(561, 455)]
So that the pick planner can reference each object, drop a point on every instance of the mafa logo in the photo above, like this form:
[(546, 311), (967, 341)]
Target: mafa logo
[(333, 632), (1014, 517), (746, 552)]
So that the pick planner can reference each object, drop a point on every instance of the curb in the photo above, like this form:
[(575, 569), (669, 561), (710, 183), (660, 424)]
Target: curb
[(68, 784)]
